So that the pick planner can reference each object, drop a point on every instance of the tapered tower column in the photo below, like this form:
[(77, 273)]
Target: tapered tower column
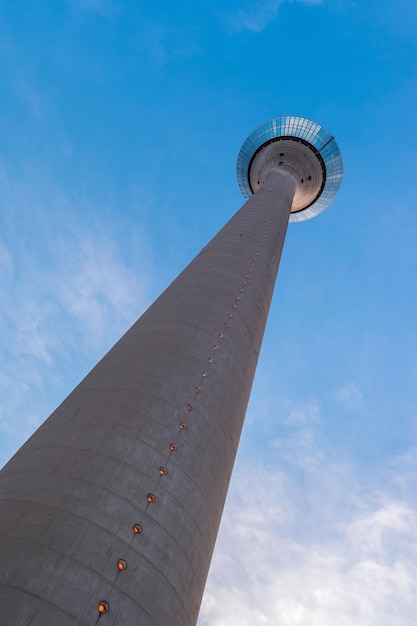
[(110, 511)]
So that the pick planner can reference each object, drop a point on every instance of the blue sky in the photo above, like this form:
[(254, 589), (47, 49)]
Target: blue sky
[(120, 124)]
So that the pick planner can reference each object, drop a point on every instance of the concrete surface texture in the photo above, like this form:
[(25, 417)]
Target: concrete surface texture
[(146, 443)]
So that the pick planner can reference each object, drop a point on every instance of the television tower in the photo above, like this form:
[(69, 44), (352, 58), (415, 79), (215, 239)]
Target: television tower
[(110, 511)]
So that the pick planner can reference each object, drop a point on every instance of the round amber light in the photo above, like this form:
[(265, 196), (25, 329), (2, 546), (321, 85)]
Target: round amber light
[(103, 607), (137, 529), (182, 426), (172, 447), (162, 471), (150, 497), (121, 564)]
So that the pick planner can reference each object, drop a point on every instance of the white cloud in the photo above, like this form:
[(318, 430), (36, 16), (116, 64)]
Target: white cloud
[(286, 412), (299, 449), (349, 396), (97, 289), (303, 414), (63, 303), (294, 552), (293, 430), (6, 265), (255, 16), (83, 279)]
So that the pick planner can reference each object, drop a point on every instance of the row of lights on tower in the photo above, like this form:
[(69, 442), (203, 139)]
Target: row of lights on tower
[(103, 605)]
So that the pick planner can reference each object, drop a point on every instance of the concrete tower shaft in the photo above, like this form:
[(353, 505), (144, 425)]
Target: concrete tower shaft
[(110, 511), (73, 493)]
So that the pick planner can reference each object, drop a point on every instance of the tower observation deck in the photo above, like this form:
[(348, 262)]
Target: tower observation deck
[(303, 149), (110, 511)]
